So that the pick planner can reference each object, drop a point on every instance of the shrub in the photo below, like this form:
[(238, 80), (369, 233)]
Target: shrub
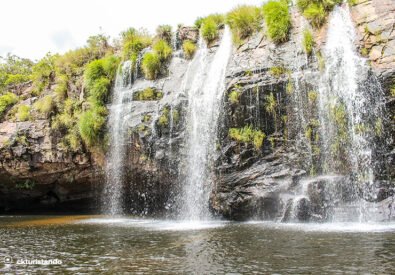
[(151, 65), (14, 79), (44, 105), (209, 30), (163, 32), (42, 72), (308, 41), (189, 49), (234, 97), (244, 20), (63, 121), (133, 42), (316, 14), (247, 135), (148, 94), (277, 19), (316, 11), (99, 90), (91, 124), (199, 22), (23, 112), (162, 49), (278, 71), (6, 101)]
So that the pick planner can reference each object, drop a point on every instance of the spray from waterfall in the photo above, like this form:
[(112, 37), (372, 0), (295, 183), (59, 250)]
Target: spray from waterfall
[(204, 103)]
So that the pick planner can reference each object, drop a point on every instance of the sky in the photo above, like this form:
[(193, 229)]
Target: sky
[(31, 28)]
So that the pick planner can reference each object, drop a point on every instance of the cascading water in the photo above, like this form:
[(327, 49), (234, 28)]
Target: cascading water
[(349, 121), (204, 99), (115, 159)]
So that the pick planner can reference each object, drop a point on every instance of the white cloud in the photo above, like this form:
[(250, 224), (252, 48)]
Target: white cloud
[(33, 28)]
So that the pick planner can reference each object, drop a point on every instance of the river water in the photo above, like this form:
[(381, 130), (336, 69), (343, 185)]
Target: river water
[(98, 244)]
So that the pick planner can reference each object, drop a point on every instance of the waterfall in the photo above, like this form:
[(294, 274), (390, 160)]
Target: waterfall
[(204, 102), (113, 196), (349, 109)]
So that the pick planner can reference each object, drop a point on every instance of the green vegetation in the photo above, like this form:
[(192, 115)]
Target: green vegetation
[(91, 125), (152, 62), (14, 70), (338, 115), (278, 71), (189, 49), (312, 96), (308, 41), (271, 107), (163, 120), (6, 101), (321, 61), (316, 11), (163, 32), (235, 94), (378, 127), (353, 2), (247, 135), (277, 19), (151, 65), (44, 105), (133, 42), (209, 26), (244, 21), (163, 50), (23, 113), (148, 94)]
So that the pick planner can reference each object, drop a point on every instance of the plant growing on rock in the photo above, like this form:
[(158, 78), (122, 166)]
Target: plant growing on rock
[(163, 50), (316, 11), (6, 101), (278, 20), (271, 107), (151, 65), (247, 135), (23, 113), (278, 71), (44, 105), (308, 41), (235, 94), (244, 21), (189, 49), (209, 31), (163, 32), (133, 42), (91, 125)]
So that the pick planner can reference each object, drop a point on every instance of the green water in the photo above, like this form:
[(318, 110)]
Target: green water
[(152, 246)]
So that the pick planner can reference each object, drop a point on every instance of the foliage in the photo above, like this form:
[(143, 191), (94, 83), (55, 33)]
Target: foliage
[(277, 19), (43, 73), (235, 94), (14, 70), (23, 112), (316, 11), (6, 101), (189, 49), (44, 105), (244, 21), (312, 95), (163, 50), (91, 125), (209, 30), (278, 71), (133, 42), (163, 32), (247, 135), (308, 41), (164, 118), (148, 94), (151, 65)]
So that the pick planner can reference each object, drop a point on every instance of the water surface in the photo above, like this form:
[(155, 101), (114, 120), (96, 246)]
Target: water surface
[(99, 244)]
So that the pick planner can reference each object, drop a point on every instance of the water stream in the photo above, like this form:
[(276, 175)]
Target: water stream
[(204, 103)]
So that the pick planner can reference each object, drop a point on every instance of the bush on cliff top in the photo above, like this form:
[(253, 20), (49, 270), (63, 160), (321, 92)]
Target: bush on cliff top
[(244, 21), (209, 26), (278, 20), (316, 11)]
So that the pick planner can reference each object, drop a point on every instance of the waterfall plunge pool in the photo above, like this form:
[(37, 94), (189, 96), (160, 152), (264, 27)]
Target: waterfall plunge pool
[(87, 244)]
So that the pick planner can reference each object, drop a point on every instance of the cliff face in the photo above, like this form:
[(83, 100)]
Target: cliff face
[(36, 172)]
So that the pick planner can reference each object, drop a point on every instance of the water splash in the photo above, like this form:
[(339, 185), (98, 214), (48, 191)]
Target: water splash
[(204, 98), (113, 195)]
